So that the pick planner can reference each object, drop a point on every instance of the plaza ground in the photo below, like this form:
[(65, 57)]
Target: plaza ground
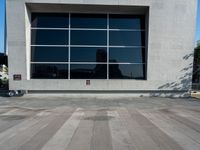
[(58, 122)]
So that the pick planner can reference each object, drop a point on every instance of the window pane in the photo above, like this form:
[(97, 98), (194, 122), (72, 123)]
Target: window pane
[(84, 71), (49, 54), (127, 55), (49, 71), (127, 38), (126, 71), (49, 37), (87, 37), (44, 20), (126, 22), (88, 54), (98, 21)]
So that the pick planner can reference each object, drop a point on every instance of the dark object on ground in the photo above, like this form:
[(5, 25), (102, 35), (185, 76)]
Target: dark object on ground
[(15, 93)]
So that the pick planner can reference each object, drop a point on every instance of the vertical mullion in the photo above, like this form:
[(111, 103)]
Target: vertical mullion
[(108, 47), (146, 30), (69, 47)]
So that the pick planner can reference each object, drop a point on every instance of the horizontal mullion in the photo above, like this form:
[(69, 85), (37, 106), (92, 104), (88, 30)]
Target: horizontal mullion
[(36, 28), (49, 62), (87, 29), (88, 63), (138, 30), (72, 63), (110, 63), (126, 46), (49, 45), (108, 46), (88, 46)]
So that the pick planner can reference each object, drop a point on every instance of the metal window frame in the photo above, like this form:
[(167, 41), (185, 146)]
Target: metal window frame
[(107, 46), (87, 29), (88, 63)]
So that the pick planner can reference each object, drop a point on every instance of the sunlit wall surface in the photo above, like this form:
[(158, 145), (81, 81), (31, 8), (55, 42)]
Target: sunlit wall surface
[(135, 46)]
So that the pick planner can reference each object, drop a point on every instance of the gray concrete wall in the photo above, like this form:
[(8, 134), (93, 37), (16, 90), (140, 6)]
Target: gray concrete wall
[(170, 46)]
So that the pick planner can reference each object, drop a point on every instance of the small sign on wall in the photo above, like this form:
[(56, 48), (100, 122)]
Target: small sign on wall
[(17, 77), (87, 82)]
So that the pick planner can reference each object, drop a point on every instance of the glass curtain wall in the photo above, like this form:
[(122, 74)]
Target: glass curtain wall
[(87, 46)]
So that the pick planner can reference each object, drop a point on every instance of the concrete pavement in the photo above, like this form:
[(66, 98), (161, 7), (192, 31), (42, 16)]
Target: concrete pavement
[(61, 123)]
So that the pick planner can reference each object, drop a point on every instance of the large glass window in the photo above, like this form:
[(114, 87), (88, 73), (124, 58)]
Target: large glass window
[(49, 37), (127, 55), (88, 71), (127, 22), (88, 37), (49, 20), (49, 71), (96, 21), (126, 71), (88, 54), (49, 54), (126, 38), (88, 46)]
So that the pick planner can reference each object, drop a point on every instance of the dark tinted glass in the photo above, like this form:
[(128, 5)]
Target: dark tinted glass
[(89, 54), (128, 55), (49, 71), (98, 21), (80, 37), (127, 38), (49, 54), (54, 20), (126, 71), (84, 71), (126, 22), (49, 37)]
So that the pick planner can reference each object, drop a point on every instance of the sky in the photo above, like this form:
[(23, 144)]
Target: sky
[(2, 15), (2, 24)]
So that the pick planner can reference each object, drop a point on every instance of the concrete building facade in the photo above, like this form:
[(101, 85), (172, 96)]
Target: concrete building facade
[(167, 38)]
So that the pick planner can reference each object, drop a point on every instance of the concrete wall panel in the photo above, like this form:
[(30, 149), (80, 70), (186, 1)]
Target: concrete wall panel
[(170, 45)]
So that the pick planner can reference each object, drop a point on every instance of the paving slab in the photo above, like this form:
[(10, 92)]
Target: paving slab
[(62, 123)]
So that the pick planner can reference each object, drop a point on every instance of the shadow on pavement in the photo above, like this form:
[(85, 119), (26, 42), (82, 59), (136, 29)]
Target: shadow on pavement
[(3, 92)]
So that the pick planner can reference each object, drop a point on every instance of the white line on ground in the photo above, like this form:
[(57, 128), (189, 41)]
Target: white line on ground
[(63, 137)]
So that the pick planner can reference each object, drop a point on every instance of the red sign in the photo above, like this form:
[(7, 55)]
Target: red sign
[(87, 82)]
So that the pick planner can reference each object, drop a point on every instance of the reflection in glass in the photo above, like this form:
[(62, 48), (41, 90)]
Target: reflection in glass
[(49, 54), (97, 21), (49, 37), (49, 71), (127, 55), (126, 22), (50, 20), (127, 38), (88, 54), (88, 46), (126, 71), (88, 37), (85, 71)]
